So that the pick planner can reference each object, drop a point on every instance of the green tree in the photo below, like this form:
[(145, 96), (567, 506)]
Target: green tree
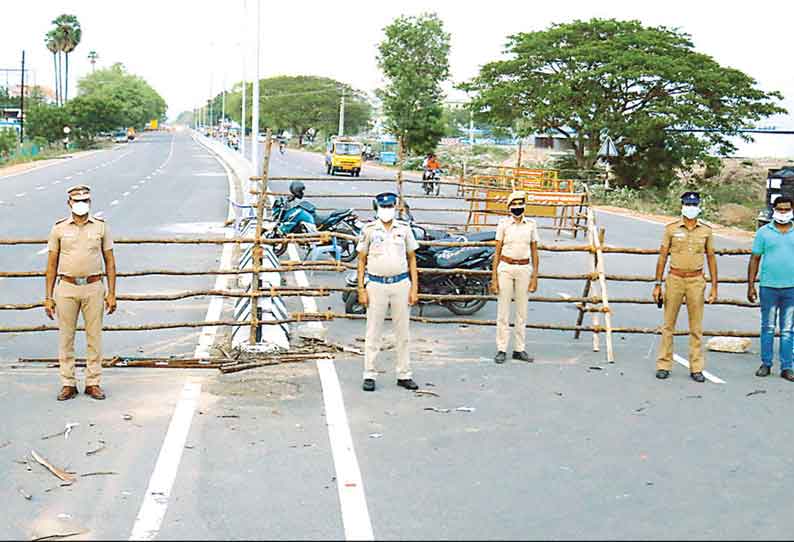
[(638, 84), (8, 142), (137, 101), (46, 121), (414, 58), (72, 34), (300, 104), (53, 44)]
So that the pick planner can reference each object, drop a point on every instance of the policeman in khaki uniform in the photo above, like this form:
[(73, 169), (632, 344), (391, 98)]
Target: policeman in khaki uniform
[(686, 241), (387, 260), (513, 276), (77, 247)]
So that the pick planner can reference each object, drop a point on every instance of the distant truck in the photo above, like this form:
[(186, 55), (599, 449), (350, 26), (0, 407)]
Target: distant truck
[(779, 182), (343, 154), (151, 125)]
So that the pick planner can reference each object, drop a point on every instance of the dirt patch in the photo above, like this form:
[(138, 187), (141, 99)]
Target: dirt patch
[(272, 383)]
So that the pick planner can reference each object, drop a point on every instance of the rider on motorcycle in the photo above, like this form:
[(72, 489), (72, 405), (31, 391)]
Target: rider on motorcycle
[(430, 166)]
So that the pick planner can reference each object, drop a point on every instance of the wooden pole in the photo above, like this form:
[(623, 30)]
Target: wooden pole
[(258, 249), (400, 159), (603, 288)]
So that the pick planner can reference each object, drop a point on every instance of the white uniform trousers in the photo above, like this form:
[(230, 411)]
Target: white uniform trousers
[(381, 297), (513, 282)]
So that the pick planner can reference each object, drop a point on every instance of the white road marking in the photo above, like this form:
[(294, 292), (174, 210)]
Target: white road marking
[(21, 194), (45, 250), (215, 308), (135, 187), (710, 377), (56, 182), (70, 177), (41, 188), (79, 172), (155, 502), (99, 214), (125, 194), (114, 202), (353, 500)]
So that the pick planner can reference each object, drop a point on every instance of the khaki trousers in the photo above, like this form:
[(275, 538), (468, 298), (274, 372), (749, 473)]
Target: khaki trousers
[(676, 290), (70, 300), (513, 283), (381, 297)]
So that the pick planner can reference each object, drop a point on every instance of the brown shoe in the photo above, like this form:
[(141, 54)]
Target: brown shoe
[(95, 392), (67, 392)]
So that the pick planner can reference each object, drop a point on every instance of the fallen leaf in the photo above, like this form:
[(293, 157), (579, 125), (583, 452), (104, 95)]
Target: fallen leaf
[(97, 450), (756, 392), (100, 473), (60, 473), (436, 409), (426, 392), (58, 536), (25, 494)]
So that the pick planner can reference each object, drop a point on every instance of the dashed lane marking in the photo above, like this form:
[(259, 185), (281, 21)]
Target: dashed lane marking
[(125, 194), (155, 502), (41, 188), (45, 250), (114, 202), (21, 194), (710, 377)]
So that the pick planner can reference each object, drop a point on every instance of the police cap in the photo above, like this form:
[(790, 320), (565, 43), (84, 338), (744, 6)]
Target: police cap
[(690, 198), (79, 192), (386, 199)]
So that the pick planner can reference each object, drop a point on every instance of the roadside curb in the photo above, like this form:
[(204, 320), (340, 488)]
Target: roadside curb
[(43, 164)]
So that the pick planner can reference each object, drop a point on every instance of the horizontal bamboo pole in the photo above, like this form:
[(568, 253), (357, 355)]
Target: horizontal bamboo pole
[(148, 362), (317, 237), (422, 196)]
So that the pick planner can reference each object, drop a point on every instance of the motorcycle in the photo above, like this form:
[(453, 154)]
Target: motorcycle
[(430, 181), (439, 257), (302, 217)]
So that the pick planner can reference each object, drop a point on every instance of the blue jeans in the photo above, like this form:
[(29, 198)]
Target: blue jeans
[(780, 302)]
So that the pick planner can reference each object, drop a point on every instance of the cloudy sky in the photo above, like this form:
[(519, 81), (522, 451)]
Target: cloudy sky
[(185, 49)]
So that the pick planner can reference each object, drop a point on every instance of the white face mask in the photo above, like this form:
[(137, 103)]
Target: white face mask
[(386, 214), (783, 217), (690, 211), (80, 208)]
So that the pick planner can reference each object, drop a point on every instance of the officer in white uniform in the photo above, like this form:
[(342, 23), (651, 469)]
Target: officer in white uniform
[(513, 276), (386, 262)]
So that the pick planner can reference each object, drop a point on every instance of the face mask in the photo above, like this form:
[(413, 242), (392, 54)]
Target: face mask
[(517, 211), (690, 211), (386, 214), (783, 217), (80, 208)]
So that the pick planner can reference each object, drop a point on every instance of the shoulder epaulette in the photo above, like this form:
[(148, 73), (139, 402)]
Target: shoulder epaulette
[(62, 220)]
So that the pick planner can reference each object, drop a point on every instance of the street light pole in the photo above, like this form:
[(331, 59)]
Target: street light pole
[(255, 119), (22, 103), (342, 115), (242, 116)]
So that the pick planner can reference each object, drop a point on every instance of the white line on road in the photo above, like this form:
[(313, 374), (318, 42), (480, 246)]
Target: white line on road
[(710, 377), (155, 502), (125, 194), (21, 194), (56, 182), (70, 177), (353, 500), (41, 188), (42, 251), (134, 187), (99, 214), (114, 202)]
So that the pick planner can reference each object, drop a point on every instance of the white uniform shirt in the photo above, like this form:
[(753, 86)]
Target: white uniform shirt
[(516, 237), (387, 250)]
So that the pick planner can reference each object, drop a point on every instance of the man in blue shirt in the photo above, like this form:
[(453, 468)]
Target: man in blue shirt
[(773, 248)]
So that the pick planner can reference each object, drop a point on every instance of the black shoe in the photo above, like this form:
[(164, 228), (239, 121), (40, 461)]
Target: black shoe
[(500, 357), (408, 384), (698, 377), (523, 356), (369, 384), (763, 370), (787, 374), (661, 374)]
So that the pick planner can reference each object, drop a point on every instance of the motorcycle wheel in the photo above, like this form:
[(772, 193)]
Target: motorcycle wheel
[(467, 308), (279, 248), (352, 306), (348, 251)]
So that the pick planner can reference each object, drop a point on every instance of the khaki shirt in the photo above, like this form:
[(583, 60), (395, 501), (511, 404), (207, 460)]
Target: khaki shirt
[(687, 247), (80, 247), (516, 237), (387, 250)]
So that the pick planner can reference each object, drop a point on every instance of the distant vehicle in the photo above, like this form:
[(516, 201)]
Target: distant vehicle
[(120, 137), (343, 155), (130, 134), (779, 182)]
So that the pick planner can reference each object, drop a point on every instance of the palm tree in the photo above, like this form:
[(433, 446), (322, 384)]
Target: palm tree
[(69, 28), (92, 57), (51, 41)]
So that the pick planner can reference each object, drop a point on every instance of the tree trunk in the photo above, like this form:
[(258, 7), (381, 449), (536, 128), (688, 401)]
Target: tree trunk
[(55, 73), (66, 85)]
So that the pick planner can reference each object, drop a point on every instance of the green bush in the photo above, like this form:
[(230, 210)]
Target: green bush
[(8, 142)]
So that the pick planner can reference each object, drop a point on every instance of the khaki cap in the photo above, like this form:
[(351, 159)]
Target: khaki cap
[(79, 192), (517, 195)]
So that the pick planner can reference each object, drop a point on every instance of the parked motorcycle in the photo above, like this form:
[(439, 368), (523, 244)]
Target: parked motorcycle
[(302, 217), (439, 257), (430, 181)]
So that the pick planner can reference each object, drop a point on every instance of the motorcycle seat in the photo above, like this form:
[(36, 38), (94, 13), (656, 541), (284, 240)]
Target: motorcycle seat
[(323, 218)]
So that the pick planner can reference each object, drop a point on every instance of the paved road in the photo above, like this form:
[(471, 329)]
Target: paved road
[(568, 447)]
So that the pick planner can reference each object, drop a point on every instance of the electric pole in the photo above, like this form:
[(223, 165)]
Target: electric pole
[(342, 115), (22, 103)]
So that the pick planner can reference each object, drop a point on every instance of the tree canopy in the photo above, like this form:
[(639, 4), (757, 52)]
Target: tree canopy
[(643, 86), (299, 104), (414, 58)]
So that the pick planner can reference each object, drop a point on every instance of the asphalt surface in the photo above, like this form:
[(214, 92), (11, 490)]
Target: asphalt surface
[(567, 447)]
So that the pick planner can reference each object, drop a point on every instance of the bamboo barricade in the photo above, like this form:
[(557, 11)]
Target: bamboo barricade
[(258, 250)]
